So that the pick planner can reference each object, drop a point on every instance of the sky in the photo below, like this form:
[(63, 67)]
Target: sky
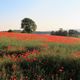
[(48, 14)]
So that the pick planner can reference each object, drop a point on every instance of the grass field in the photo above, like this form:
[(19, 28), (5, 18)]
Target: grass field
[(39, 57)]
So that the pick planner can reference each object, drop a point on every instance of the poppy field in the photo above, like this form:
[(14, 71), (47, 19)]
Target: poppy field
[(39, 57)]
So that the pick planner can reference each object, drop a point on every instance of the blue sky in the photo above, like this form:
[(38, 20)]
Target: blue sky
[(48, 14)]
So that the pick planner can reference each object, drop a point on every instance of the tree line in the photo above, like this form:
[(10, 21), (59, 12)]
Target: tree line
[(29, 26), (62, 32)]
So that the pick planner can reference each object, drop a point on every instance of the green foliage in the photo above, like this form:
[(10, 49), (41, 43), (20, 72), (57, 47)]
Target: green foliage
[(28, 25)]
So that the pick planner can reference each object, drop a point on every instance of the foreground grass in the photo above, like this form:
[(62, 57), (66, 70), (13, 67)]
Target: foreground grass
[(37, 60)]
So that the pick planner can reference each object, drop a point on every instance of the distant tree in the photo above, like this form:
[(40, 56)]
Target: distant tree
[(28, 25), (60, 32), (73, 32), (10, 30), (65, 33), (52, 33)]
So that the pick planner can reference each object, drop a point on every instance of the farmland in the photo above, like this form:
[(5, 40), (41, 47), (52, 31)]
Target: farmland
[(39, 57)]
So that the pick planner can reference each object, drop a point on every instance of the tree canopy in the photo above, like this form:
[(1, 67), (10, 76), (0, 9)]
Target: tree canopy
[(28, 25)]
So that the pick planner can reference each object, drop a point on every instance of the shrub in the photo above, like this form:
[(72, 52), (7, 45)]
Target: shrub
[(10, 30)]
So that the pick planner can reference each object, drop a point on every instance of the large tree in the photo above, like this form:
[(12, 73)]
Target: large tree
[(28, 25)]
